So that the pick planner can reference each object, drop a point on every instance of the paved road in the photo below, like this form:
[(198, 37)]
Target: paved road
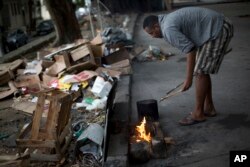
[(207, 144)]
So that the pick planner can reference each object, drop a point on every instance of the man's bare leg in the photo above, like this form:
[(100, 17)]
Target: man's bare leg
[(201, 88), (209, 108)]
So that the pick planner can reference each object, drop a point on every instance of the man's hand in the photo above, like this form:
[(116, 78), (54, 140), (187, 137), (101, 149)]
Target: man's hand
[(187, 84), (190, 70)]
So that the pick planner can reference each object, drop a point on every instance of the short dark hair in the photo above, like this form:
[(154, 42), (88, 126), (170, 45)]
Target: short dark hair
[(149, 21)]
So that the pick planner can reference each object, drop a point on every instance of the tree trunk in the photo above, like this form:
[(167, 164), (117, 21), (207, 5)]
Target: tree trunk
[(66, 24)]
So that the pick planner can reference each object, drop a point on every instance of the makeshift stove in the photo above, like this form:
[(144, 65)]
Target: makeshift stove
[(147, 140)]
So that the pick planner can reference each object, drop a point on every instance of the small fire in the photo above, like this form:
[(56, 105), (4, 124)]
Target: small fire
[(142, 132)]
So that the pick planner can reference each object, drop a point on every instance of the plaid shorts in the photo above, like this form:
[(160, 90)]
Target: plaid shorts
[(210, 55)]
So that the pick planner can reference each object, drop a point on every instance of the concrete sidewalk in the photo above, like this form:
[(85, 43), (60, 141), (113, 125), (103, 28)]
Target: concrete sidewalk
[(207, 144)]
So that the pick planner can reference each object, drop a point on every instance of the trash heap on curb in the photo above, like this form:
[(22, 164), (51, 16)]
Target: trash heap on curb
[(80, 69)]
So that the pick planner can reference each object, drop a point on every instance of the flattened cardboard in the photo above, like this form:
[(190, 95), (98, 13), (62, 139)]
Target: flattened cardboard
[(25, 106)]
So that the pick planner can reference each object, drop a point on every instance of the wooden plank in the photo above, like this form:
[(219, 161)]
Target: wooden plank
[(65, 146), (63, 116), (65, 132), (45, 157), (35, 143), (25, 130), (37, 116), (13, 160), (16, 163), (52, 118)]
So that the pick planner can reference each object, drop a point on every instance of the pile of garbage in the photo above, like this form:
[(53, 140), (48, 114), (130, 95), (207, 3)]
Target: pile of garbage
[(152, 53), (80, 67)]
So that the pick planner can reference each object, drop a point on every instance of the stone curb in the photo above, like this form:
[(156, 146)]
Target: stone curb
[(117, 155), (27, 48)]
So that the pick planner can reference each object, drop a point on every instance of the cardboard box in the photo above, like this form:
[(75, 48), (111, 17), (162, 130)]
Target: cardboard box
[(123, 66), (31, 82), (97, 50), (97, 40), (117, 56), (80, 52), (47, 63), (27, 80), (118, 61), (48, 79), (81, 67), (62, 62)]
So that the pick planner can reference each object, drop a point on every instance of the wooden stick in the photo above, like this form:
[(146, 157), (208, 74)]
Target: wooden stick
[(172, 93)]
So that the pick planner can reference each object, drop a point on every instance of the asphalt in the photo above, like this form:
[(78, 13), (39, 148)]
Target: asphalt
[(209, 143)]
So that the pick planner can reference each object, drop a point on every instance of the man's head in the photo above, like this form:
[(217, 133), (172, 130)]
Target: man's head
[(152, 27)]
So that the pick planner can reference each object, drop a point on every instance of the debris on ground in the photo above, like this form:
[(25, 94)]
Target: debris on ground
[(152, 53), (70, 70), (61, 98)]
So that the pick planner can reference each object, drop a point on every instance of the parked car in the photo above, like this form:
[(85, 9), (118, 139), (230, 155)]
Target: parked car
[(45, 27), (16, 39)]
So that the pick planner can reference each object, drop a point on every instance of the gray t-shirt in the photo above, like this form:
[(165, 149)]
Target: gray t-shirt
[(190, 27)]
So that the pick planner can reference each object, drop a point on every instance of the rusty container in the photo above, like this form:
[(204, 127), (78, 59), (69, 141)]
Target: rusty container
[(147, 108)]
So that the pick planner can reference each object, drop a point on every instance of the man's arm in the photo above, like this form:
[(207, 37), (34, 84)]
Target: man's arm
[(190, 69)]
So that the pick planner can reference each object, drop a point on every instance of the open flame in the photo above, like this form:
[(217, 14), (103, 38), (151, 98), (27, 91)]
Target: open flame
[(142, 132)]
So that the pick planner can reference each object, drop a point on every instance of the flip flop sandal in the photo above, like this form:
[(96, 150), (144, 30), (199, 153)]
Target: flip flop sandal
[(189, 121)]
